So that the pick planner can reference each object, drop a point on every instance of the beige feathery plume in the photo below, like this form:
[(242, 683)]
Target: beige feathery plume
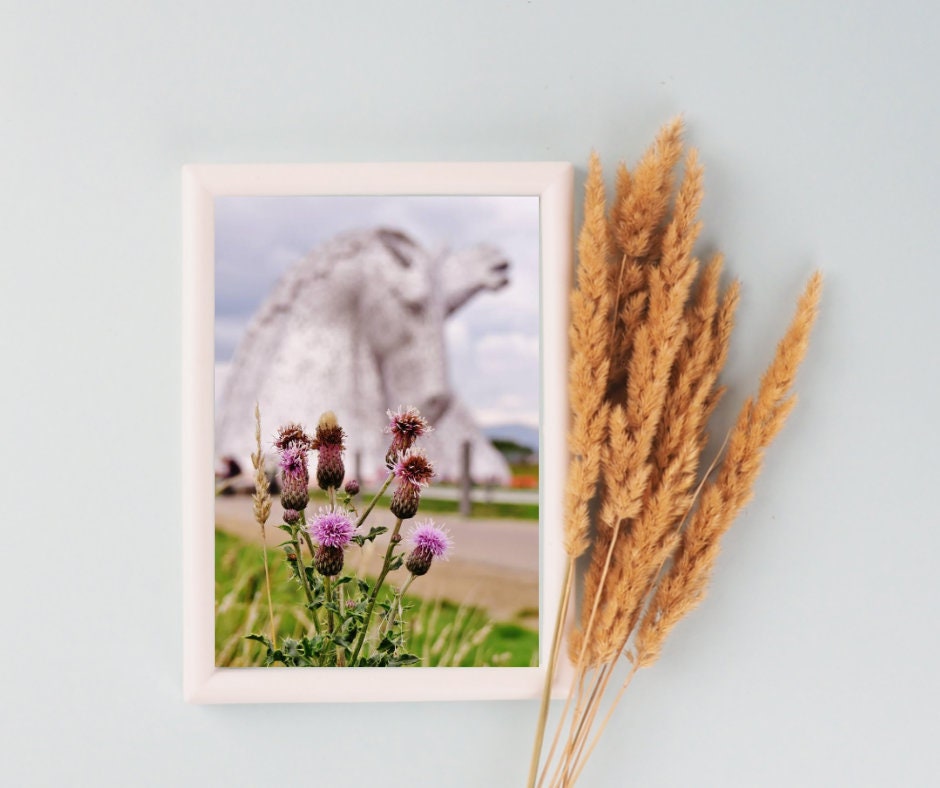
[(693, 369), (636, 225), (758, 423), (623, 185), (658, 524), (589, 337), (633, 428), (261, 498), (262, 508), (637, 217), (590, 340)]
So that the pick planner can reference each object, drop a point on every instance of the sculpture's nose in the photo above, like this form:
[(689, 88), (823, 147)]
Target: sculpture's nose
[(436, 406)]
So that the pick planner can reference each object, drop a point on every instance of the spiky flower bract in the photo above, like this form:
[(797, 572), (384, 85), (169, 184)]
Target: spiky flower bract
[(328, 561), (332, 529), (412, 472), (406, 425), (405, 501), (329, 445), (292, 434), (295, 477), (413, 468)]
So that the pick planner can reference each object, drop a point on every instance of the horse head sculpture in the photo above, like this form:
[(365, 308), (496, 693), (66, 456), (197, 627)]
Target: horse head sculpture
[(357, 327)]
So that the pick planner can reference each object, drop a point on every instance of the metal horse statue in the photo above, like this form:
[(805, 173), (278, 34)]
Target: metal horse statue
[(357, 327)]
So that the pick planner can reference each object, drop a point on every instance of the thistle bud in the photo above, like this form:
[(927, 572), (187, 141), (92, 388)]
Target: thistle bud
[(327, 560), (419, 561), (352, 487), (291, 516), (405, 500), (294, 477), (405, 426), (294, 495), (329, 445)]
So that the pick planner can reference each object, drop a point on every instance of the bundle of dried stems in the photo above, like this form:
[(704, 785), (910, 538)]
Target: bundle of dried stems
[(649, 336)]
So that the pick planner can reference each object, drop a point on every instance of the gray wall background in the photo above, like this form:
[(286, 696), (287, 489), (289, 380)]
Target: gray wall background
[(813, 661)]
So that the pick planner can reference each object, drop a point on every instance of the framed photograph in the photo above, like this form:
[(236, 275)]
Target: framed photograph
[(374, 417)]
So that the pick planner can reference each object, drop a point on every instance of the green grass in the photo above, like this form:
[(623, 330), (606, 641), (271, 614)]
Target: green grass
[(440, 632)]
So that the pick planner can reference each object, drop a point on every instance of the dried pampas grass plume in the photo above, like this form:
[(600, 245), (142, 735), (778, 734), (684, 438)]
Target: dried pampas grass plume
[(589, 339), (758, 423), (650, 332)]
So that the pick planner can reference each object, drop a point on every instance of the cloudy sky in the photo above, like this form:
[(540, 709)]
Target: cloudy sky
[(493, 341)]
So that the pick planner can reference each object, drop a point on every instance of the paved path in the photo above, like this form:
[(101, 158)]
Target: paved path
[(494, 564)]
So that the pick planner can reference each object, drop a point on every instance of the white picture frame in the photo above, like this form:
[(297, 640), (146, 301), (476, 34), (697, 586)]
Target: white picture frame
[(203, 682)]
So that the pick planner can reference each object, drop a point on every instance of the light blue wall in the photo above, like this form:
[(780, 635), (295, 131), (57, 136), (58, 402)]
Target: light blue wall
[(813, 661)]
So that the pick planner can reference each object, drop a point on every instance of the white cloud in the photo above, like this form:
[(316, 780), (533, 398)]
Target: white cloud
[(495, 353)]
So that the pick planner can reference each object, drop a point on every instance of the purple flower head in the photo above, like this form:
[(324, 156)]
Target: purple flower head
[(332, 529), (406, 425), (430, 539), (413, 468), (294, 461)]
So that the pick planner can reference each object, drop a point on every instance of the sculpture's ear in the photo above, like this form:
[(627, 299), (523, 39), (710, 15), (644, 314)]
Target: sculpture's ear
[(409, 278), (401, 246)]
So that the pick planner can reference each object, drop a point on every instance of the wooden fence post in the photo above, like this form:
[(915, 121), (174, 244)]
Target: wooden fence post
[(466, 482)]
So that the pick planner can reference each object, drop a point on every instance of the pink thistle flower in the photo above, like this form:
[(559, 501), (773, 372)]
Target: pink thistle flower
[(429, 541), (294, 461), (431, 538), (406, 425), (413, 468), (332, 529)]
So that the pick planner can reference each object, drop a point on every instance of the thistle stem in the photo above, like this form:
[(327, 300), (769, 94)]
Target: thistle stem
[(340, 604), (396, 604), (328, 590), (309, 541), (302, 572), (374, 501), (314, 614), (381, 579), (267, 585)]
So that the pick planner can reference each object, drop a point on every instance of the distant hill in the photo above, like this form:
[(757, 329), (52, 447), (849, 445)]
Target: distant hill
[(517, 433)]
